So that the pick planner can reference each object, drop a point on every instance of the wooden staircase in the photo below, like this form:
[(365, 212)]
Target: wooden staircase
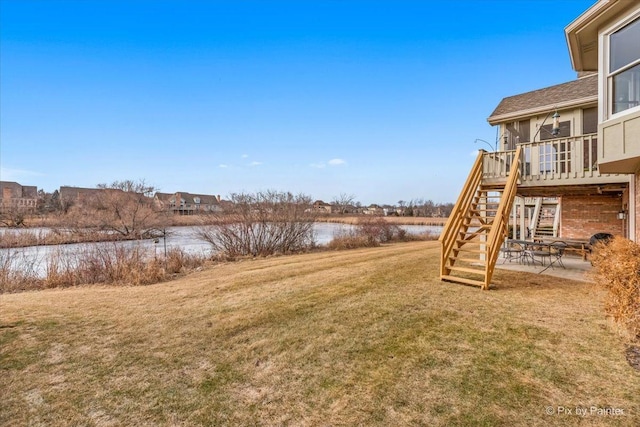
[(472, 237), (537, 229)]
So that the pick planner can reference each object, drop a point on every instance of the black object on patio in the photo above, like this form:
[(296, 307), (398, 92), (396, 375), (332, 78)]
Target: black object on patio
[(600, 238)]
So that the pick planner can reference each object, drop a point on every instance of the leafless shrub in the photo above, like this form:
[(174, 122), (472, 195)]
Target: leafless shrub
[(124, 209), (178, 260), (19, 238), (371, 232), (54, 236), (120, 264), (351, 240), (376, 229), (18, 271), (104, 263), (262, 224), (13, 216), (617, 269), (426, 236)]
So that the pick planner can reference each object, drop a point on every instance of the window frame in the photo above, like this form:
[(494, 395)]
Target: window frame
[(607, 75)]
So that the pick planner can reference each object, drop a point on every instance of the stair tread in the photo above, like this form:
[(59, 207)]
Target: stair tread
[(471, 242), (450, 278), (471, 218), (479, 228), (473, 260), (473, 251), (466, 269)]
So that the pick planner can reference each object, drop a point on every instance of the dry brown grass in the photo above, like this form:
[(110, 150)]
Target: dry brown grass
[(617, 269), (102, 263), (14, 238), (372, 232), (363, 337)]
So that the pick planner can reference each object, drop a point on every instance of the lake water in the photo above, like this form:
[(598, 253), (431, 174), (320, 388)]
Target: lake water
[(34, 258)]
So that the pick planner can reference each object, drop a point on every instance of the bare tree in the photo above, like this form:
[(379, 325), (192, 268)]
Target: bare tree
[(264, 223), (13, 216), (343, 201), (124, 208), (130, 186)]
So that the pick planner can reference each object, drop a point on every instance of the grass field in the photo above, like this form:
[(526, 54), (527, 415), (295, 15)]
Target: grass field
[(362, 337)]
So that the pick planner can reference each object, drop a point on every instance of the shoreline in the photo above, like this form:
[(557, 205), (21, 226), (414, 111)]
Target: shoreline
[(398, 220), (9, 240)]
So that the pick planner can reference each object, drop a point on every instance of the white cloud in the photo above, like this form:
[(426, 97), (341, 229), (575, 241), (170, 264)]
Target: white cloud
[(337, 162), (332, 162), (255, 163), (223, 166), (244, 156)]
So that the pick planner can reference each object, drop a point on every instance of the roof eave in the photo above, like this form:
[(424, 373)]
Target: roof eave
[(582, 34), (501, 118), (573, 30)]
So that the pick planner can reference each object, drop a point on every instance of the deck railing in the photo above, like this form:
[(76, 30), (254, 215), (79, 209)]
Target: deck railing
[(573, 158)]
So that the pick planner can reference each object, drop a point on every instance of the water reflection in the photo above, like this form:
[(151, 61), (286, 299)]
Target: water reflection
[(34, 259)]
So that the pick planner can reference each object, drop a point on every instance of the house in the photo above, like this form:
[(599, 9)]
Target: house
[(373, 210), (77, 195), (322, 208), (605, 40), (184, 203), (556, 127), (576, 143), (84, 198), (14, 196)]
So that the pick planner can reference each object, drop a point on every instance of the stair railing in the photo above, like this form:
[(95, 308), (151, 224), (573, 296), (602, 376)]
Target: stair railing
[(461, 208), (499, 228)]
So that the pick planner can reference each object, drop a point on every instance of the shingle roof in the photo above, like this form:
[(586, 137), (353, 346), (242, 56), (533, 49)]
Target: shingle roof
[(163, 196), (204, 198), (546, 98)]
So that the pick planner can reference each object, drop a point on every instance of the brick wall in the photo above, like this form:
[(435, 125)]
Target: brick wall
[(584, 216)]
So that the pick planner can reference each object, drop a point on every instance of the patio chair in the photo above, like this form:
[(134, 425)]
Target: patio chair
[(511, 251), (541, 251), (557, 249)]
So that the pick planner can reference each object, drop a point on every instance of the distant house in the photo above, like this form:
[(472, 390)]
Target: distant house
[(183, 203), (77, 195), (322, 207), (373, 210), (16, 196), (95, 197)]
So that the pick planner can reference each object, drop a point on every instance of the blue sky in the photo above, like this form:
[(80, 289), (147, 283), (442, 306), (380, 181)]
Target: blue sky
[(379, 99)]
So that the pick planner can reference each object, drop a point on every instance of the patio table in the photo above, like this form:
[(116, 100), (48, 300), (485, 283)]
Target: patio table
[(531, 248)]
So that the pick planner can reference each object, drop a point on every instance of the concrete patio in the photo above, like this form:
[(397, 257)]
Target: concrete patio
[(575, 268)]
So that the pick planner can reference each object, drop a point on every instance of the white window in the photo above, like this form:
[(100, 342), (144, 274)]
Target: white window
[(623, 68)]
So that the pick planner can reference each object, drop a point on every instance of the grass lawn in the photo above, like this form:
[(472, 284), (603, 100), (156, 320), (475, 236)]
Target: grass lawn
[(362, 337)]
